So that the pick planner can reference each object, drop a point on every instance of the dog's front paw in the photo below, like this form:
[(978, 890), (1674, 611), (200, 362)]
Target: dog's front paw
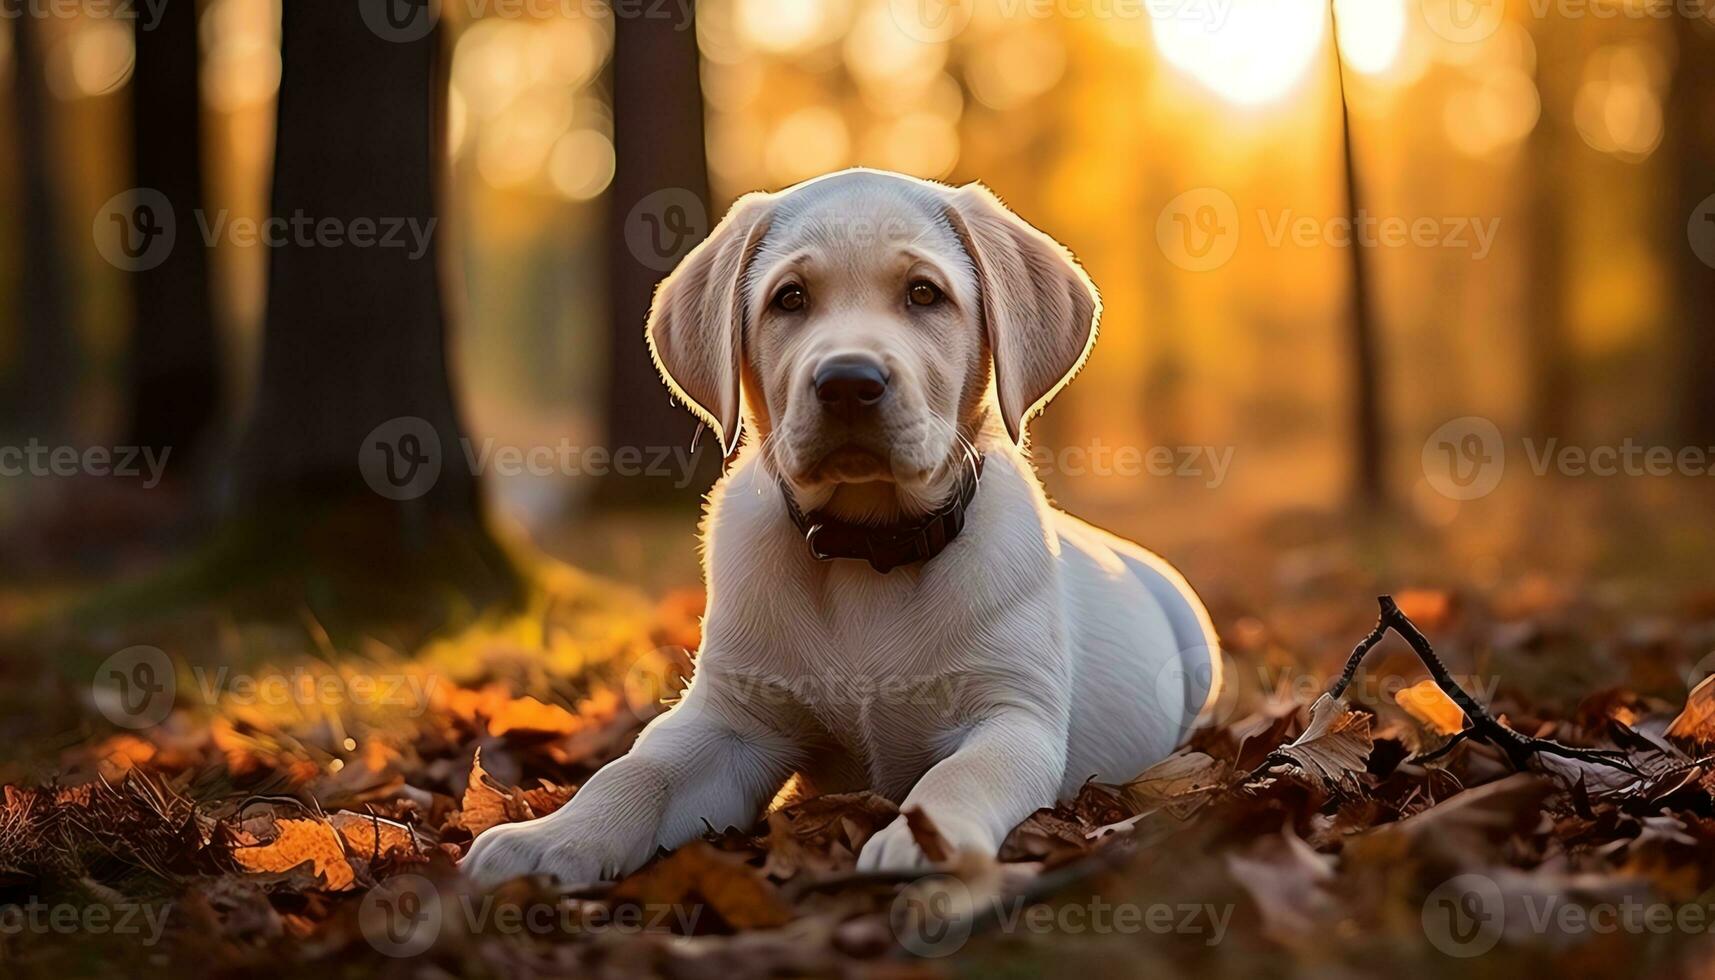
[(550, 847), (893, 848)]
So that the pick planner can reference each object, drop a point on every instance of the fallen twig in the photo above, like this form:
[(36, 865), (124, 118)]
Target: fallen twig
[(1518, 747)]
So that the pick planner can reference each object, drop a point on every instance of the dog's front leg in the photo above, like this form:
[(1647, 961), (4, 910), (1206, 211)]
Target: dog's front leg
[(706, 763), (1007, 768)]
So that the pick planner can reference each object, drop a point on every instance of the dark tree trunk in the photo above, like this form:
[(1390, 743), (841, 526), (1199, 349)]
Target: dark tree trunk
[(658, 147), (174, 366), (41, 379), (1552, 369), (1369, 426), (1691, 135), (354, 453)]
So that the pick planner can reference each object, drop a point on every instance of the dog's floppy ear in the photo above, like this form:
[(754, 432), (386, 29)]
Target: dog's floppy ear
[(696, 324), (1039, 308)]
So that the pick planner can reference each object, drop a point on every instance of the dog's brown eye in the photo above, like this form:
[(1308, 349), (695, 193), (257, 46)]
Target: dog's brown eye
[(923, 293), (791, 299)]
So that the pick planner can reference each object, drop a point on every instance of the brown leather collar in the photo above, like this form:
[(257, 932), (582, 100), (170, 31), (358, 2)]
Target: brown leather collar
[(888, 546)]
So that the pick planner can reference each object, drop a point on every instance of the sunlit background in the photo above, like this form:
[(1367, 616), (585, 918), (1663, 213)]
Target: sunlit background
[(1089, 122)]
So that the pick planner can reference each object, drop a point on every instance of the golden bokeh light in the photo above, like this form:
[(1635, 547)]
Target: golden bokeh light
[(581, 164), (1253, 53), (1618, 106), (1372, 32), (876, 51), (1018, 66), (790, 26), (95, 58), (922, 144), (808, 142), (1494, 114)]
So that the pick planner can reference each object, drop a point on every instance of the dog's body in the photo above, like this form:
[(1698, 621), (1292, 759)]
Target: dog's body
[(1031, 654)]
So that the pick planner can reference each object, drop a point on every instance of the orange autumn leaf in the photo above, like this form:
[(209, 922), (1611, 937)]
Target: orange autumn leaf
[(298, 841), (527, 714), (1695, 724), (368, 836), (696, 874), (1426, 702), (1430, 609), (485, 803)]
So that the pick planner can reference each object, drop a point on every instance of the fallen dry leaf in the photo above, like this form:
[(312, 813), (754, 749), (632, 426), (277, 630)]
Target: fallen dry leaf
[(1284, 877), (927, 836), (527, 715), (299, 841), (1335, 745), (1695, 724), (369, 836), (698, 874), (1428, 704), (1180, 783)]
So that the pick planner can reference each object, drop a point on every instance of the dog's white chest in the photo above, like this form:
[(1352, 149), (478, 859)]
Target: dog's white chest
[(882, 674)]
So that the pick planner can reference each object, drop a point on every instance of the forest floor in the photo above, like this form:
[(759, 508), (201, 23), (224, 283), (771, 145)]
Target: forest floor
[(202, 793)]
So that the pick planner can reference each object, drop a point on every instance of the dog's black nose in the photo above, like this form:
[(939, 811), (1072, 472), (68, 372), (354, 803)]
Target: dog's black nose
[(847, 383)]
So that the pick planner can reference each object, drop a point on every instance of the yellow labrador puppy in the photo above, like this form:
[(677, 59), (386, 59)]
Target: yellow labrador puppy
[(893, 603)]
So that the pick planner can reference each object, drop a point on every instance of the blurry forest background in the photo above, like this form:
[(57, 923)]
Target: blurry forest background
[(1584, 131)]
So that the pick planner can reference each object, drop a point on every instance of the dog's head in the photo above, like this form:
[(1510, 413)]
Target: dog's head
[(871, 321)]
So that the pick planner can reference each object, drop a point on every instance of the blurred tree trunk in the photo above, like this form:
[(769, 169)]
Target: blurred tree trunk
[(41, 379), (658, 146), (1369, 427), (1690, 132), (1551, 371), (174, 362), (353, 459)]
